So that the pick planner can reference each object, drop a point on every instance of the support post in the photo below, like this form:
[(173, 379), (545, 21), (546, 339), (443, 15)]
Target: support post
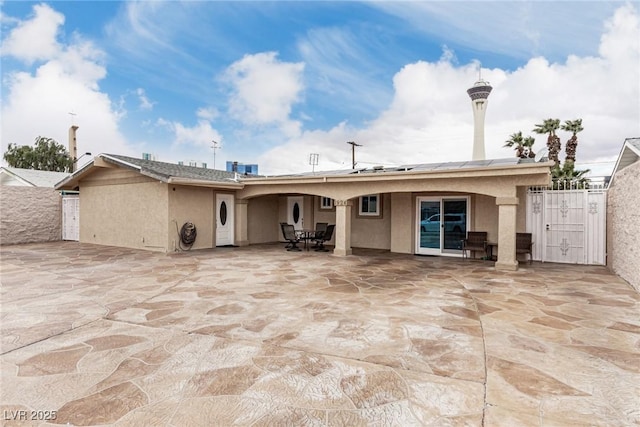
[(343, 228), (507, 210)]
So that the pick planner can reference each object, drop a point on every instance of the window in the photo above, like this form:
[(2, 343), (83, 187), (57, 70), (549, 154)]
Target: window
[(326, 203), (369, 205)]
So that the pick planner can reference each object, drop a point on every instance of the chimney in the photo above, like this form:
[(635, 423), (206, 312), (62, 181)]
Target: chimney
[(73, 146)]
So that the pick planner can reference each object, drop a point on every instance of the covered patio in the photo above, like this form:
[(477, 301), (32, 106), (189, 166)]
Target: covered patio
[(256, 335)]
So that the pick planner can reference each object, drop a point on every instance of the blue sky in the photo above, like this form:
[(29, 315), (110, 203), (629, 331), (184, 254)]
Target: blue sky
[(272, 82)]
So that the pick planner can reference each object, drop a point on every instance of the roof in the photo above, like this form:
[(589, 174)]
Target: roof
[(162, 171), (511, 161), (190, 175), (30, 177), (629, 154)]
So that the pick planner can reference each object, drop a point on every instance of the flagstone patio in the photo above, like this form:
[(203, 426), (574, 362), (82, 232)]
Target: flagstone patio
[(95, 335)]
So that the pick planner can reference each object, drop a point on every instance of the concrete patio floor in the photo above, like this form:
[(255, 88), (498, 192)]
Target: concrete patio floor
[(257, 336)]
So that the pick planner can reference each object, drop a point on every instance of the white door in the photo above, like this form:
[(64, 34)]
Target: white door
[(71, 218), (295, 212), (564, 226), (224, 219)]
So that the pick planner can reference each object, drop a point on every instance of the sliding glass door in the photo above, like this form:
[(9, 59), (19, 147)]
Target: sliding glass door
[(442, 224), (429, 228)]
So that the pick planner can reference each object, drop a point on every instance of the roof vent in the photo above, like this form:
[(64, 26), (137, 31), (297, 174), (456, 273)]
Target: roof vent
[(378, 168)]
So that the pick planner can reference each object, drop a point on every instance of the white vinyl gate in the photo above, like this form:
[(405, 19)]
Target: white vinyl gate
[(71, 217), (568, 225)]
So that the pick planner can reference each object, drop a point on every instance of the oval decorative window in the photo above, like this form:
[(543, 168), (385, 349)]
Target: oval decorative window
[(296, 213), (223, 213)]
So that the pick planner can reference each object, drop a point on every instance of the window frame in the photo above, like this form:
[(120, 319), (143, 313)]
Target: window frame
[(323, 206), (378, 205)]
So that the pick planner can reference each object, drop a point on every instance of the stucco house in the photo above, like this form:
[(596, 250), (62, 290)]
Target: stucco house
[(142, 204)]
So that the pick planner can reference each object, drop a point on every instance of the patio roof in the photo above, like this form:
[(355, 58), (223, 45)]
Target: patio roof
[(197, 176), (512, 161)]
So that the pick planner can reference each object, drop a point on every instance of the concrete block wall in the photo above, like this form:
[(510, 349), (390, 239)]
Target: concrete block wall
[(623, 228), (29, 215)]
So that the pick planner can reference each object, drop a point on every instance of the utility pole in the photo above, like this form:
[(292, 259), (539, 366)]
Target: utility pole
[(215, 146), (353, 153)]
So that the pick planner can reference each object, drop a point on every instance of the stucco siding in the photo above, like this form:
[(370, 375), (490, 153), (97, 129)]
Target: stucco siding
[(521, 212), (29, 215), (262, 220), (124, 214), (623, 225), (372, 232), (402, 223), (484, 217), (191, 204)]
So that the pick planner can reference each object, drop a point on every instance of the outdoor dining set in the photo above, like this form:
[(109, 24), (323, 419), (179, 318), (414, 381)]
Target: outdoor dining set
[(311, 239), (476, 241)]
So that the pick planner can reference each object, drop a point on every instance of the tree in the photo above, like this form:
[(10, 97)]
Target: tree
[(550, 126), (564, 176), (517, 141), (573, 126), (522, 145), (46, 155), (568, 178), (528, 145)]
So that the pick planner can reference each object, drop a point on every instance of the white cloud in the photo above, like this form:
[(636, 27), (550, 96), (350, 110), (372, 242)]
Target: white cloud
[(144, 103), (200, 135), (430, 118), (335, 58), (264, 90), (517, 29), (38, 102), (35, 39), (209, 113)]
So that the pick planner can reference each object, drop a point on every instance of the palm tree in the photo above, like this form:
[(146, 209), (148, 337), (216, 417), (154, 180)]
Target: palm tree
[(528, 144), (550, 126), (573, 126), (568, 178), (517, 141)]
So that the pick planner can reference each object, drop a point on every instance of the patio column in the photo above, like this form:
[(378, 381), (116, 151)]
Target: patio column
[(343, 228), (241, 233), (507, 207)]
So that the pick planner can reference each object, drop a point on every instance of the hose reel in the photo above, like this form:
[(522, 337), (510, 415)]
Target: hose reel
[(188, 235)]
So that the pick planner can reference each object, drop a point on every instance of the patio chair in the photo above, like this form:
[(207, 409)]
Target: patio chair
[(476, 241), (318, 233), (524, 245), (289, 233), (327, 235)]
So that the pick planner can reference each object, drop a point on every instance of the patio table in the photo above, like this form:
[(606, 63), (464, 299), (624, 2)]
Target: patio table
[(306, 235)]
